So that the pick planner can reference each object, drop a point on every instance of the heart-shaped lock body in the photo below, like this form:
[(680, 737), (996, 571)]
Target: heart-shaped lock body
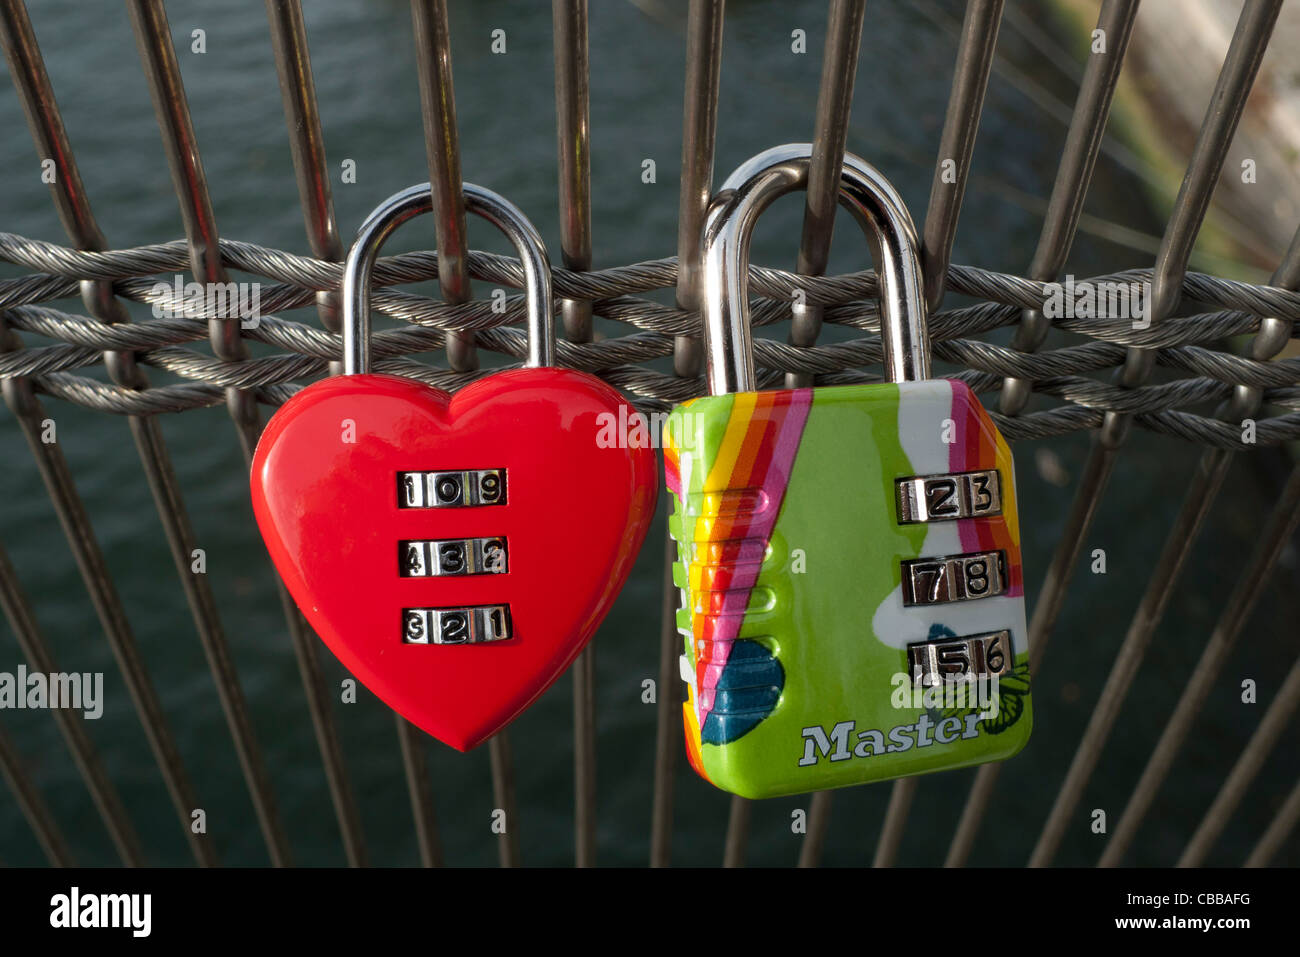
[(327, 498), (456, 553)]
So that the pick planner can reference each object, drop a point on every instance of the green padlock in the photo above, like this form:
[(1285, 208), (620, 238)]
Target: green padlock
[(848, 557)]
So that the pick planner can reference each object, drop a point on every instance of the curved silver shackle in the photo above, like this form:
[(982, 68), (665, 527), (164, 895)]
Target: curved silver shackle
[(882, 215), (400, 207)]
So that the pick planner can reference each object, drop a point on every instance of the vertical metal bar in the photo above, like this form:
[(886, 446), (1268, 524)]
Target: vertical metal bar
[(573, 129), (891, 831), (415, 762), (154, 41), (830, 133), (503, 793), (327, 737), (1073, 177), (32, 83), (1207, 481), (1204, 167), (1237, 76), (704, 20), (33, 804), (307, 145), (979, 37), (1051, 598), (704, 23), (1273, 538), (27, 409), (57, 477), (667, 715), (180, 536), (1275, 835), (1244, 771), (584, 758), (73, 205), (420, 791), (819, 818), (733, 854), (972, 815), (438, 108), (108, 802), (975, 50), (699, 127)]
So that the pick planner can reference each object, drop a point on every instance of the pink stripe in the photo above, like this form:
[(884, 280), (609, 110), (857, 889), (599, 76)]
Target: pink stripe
[(958, 462)]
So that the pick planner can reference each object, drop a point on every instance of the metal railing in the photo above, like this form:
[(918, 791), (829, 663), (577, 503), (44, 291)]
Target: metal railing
[(1248, 385)]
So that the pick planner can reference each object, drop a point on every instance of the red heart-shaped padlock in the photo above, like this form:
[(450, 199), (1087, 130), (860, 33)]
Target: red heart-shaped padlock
[(455, 553), (574, 516)]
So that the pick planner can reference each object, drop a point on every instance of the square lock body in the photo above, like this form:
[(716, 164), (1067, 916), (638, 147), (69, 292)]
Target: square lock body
[(852, 592)]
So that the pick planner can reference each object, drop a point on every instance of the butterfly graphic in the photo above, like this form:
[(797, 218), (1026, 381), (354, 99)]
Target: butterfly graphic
[(1013, 689)]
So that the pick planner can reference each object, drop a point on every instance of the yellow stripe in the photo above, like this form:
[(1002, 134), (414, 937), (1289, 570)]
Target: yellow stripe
[(720, 476), (742, 411)]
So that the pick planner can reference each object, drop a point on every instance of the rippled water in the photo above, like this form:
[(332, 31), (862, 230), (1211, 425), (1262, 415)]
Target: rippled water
[(365, 76)]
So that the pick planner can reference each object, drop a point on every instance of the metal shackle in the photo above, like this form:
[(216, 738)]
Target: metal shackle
[(894, 247), (411, 202)]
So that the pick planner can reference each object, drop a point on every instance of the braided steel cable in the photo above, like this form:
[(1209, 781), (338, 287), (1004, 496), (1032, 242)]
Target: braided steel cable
[(1190, 347)]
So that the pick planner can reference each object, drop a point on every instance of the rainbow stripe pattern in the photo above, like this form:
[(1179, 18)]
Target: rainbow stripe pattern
[(789, 558)]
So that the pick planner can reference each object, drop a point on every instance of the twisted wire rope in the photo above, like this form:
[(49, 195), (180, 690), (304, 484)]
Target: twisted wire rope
[(1191, 346)]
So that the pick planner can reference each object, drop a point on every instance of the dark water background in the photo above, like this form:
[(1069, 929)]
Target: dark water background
[(365, 75)]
